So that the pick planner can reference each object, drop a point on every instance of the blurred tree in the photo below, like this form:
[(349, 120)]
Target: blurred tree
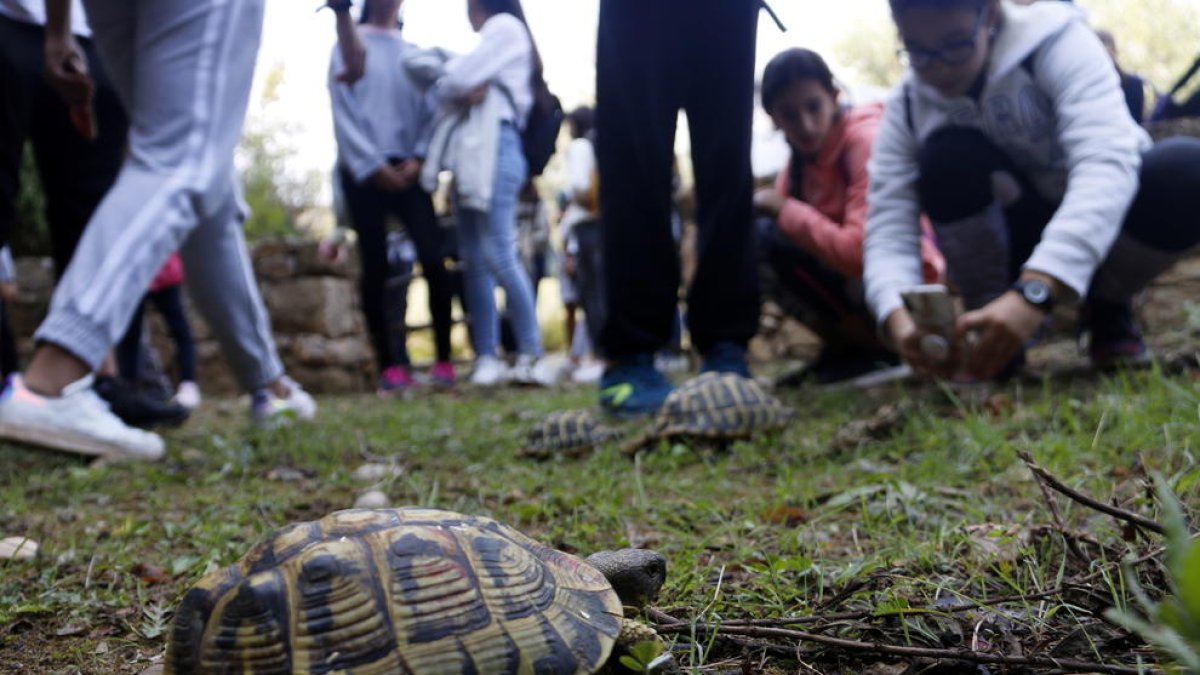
[(1157, 39), (867, 55), (30, 234), (275, 194)]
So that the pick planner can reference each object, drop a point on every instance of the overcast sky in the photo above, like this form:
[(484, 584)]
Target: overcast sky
[(565, 31)]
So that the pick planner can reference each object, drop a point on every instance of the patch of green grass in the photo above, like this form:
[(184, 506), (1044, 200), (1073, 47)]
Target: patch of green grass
[(939, 511)]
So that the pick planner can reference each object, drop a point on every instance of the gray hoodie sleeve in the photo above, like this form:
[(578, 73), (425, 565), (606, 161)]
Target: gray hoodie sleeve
[(356, 151), (1103, 156), (892, 245)]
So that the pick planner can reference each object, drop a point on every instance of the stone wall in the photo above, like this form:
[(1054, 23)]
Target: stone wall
[(314, 309), (322, 338)]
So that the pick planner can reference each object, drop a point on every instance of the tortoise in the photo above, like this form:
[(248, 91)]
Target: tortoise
[(571, 433), (410, 590), (716, 406)]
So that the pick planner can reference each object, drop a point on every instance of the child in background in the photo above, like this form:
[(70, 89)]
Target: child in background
[(383, 124), (166, 293), (818, 208), (1010, 132)]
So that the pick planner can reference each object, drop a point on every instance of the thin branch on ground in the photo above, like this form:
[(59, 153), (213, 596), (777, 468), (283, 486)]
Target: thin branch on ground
[(1046, 477), (724, 630), (1068, 538)]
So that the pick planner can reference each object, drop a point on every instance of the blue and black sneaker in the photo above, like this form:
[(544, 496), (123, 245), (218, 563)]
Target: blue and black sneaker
[(633, 388), (726, 357)]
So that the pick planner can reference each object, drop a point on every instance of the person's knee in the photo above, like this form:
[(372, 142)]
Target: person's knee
[(956, 166), (1164, 213)]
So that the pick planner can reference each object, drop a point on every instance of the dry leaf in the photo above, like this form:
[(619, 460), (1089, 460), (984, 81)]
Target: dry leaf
[(150, 574), (785, 515), (68, 631)]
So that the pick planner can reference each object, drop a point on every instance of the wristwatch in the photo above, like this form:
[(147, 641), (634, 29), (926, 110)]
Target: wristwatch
[(1037, 293)]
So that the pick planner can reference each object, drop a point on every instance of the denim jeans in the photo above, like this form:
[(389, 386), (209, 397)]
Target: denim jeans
[(488, 246)]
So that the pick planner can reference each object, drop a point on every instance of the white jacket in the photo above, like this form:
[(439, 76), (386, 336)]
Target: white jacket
[(465, 140), (1053, 103)]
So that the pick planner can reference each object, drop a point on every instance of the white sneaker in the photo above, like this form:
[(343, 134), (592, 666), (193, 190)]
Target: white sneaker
[(550, 369), (267, 409), (489, 371), (524, 371), (76, 421), (588, 373), (188, 395)]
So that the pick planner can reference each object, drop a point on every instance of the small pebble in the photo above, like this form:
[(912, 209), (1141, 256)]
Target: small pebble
[(372, 499), (18, 548), (369, 473)]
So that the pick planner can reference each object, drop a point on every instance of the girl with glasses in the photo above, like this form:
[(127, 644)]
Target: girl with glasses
[(1011, 133)]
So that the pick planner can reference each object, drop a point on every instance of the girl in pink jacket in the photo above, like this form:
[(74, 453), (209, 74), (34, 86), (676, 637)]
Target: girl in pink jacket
[(813, 232)]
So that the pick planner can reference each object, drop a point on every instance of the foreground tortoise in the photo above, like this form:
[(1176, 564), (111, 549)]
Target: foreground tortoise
[(410, 590), (571, 433), (716, 406)]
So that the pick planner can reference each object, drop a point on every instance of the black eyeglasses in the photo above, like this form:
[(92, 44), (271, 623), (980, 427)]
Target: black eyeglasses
[(953, 54)]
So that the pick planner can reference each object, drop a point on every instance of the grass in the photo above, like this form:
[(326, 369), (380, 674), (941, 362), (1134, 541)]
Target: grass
[(938, 512)]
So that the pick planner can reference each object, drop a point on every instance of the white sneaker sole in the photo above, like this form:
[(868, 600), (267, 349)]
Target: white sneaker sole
[(66, 441)]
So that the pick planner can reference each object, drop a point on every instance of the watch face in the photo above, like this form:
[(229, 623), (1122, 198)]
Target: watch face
[(1036, 292)]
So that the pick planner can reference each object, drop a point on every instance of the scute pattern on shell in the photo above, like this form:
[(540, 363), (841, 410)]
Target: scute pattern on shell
[(569, 433), (716, 406), (408, 590)]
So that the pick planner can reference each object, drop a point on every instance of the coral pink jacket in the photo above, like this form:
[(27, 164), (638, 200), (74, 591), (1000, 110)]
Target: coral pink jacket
[(830, 220)]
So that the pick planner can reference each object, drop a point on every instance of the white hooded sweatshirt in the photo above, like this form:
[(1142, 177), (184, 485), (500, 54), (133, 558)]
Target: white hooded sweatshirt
[(1052, 102)]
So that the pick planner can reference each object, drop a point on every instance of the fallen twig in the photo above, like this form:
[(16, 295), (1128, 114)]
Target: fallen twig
[(1068, 665), (1047, 478), (1068, 539)]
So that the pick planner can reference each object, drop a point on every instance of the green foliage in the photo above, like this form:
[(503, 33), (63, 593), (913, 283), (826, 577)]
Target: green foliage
[(867, 55), (276, 195), (1155, 38), (1173, 624), (31, 234)]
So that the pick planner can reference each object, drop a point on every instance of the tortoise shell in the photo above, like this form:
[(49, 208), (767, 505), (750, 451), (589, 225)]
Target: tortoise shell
[(570, 433), (407, 590), (717, 406)]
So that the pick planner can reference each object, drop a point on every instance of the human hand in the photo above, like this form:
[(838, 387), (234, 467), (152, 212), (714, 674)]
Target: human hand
[(768, 201), (389, 179), (410, 171), (570, 266), (8, 291), (907, 336), (66, 71), (998, 331), (475, 96), (330, 251)]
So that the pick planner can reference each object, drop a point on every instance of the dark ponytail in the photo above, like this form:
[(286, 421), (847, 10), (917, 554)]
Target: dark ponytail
[(787, 68), (537, 79)]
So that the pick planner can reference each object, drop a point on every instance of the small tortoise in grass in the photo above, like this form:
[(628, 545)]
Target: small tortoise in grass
[(716, 406), (410, 590), (570, 433)]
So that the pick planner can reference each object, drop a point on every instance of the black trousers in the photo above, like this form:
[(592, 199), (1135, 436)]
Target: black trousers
[(655, 57), (169, 303), (956, 164), (814, 293), (75, 172), (369, 210), (9, 361), (589, 278)]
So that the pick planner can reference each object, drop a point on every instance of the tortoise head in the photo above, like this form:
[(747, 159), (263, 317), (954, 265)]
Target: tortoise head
[(636, 574)]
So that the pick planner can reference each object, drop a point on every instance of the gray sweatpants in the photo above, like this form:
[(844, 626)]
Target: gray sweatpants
[(183, 69)]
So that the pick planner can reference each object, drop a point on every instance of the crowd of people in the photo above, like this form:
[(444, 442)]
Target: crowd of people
[(1008, 163)]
